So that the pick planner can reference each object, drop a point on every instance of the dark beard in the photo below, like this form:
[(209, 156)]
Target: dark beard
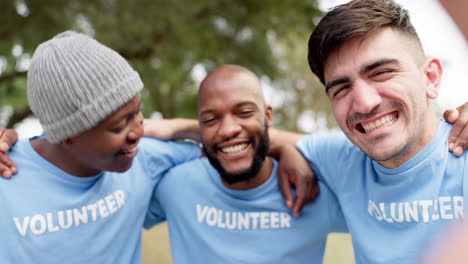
[(261, 152)]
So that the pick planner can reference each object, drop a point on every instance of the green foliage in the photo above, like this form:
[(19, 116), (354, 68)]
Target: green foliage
[(163, 40)]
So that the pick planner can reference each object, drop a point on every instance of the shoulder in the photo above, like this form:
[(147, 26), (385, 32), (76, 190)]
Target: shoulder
[(328, 140), (159, 155), (191, 171), (154, 146), (191, 177), (322, 147), (20, 149)]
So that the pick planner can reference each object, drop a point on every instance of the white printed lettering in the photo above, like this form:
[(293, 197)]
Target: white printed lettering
[(220, 220), (110, 203), (22, 228), (274, 220), (50, 223), (242, 220), (400, 217), (39, 224), (120, 198), (445, 208), (442, 208), (458, 206), (201, 212), (80, 216), (61, 219), (102, 209), (35, 220), (285, 220)]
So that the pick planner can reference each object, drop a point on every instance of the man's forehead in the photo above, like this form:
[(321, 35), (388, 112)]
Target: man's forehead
[(239, 83), (229, 96), (362, 50)]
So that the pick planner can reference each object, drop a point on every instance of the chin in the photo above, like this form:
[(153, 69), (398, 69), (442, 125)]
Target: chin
[(122, 168)]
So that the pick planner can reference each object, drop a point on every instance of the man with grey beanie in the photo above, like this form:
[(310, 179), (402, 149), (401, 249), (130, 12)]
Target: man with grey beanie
[(82, 192)]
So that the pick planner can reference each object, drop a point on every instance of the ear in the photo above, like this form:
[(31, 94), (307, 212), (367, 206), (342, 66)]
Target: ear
[(66, 143), (433, 73), (269, 115)]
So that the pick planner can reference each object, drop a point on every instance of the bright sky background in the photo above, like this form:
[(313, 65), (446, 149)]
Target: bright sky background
[(440, 38), (439, 35)]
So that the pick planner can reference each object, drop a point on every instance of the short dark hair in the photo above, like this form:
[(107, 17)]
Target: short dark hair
[(358, 18)]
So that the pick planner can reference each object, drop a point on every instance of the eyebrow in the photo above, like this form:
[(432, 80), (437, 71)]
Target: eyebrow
[(376, 64), (364, 70)]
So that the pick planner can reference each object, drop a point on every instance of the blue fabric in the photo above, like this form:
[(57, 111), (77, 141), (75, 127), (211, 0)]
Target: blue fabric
[(50, 216), (392, 214), (210, 223)]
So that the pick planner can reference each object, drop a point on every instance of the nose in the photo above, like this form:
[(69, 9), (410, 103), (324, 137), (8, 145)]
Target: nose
[(365, 97), (137, 130), (229, 127)]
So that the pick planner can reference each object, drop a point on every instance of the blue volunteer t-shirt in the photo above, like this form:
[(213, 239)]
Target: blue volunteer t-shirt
[(210, 223), (50, 216), (392, 214)]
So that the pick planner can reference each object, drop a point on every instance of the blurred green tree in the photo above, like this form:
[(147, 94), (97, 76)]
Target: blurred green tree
[(165, 40)]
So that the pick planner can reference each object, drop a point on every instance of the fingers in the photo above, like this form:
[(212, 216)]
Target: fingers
[(305, 193), (451, 115), (458, 139), (7, 167), (286, 189), (315, 191), (4, 147), (461, 144), (8, 138)]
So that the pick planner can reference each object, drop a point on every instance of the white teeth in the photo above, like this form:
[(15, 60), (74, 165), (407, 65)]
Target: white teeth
[(233, 149), (129, 150), (388, 119)]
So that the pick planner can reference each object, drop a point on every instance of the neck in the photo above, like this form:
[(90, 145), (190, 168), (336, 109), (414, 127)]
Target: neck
[(61, 158), (262, 176)]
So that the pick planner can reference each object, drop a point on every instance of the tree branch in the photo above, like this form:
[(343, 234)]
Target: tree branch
[(12, 76), (18, 116)]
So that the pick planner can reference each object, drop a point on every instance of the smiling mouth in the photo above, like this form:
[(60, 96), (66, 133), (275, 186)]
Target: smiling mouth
[(235, 148), (370, 126), (128, 151)]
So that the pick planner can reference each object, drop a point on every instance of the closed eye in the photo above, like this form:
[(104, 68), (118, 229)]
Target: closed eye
[(119, 128), (339, 91), (381, 72), (208, 121), (246, 113)]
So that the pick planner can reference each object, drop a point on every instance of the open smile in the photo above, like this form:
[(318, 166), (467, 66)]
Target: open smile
[(128, 153), (388, 119), (234, 148)]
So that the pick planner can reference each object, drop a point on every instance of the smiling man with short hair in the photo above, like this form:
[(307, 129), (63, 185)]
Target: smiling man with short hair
[(396, 181)]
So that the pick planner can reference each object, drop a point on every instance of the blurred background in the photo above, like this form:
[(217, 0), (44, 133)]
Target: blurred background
[(174, 43)]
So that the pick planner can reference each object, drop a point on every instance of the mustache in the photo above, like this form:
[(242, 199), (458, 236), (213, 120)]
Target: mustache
[(357, 117)]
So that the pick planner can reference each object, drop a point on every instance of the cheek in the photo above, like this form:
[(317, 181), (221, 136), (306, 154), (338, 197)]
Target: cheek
[(110, 144), (207, 135), (340, 112)]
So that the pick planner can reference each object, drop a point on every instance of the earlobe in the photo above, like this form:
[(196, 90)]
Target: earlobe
[(433, 74)]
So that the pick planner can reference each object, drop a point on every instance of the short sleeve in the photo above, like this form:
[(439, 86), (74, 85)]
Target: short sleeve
[(159, 156)]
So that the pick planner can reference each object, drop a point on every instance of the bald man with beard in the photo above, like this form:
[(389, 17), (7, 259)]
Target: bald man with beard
[(229, 207)]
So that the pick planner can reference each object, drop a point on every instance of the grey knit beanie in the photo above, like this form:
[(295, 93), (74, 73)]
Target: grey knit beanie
[(75, 82)]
